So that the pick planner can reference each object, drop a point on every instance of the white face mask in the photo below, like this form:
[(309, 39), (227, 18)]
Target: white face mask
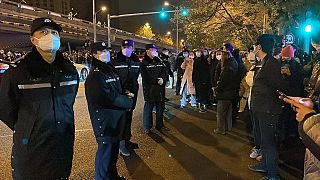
[(219, 57), (205, 53), (166, 53), (198, 54), (191, 56), (127, 52), (49, 43), (154, 54), (104, 57), (185, 55)]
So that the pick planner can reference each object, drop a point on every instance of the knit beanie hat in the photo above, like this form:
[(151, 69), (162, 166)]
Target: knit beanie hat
[(288, 51)]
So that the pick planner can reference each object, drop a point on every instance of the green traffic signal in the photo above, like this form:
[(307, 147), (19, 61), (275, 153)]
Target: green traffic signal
[(163, 14), (308, 28), (184, 12)]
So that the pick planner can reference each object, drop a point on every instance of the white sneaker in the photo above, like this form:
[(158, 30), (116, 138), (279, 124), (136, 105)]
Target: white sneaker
[(255, 153)]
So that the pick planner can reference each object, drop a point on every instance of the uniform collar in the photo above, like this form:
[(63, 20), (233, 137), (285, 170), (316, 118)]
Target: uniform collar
[(38, 67)]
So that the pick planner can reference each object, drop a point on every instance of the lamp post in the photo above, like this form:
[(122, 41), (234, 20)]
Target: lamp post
[(166, 3), (104, 8)]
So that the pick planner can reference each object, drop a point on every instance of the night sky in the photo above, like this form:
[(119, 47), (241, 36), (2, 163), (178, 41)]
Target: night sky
[(131, 24)]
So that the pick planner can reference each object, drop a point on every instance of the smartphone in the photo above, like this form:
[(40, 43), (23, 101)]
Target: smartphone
[(283, 95)]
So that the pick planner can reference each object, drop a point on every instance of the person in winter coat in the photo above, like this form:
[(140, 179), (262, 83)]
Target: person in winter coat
[(180, 58), (201, 78), (107, 106), (187, 87), (291, 73), (215, 59), (127, 65), (309, 130), (37, 97), (226, 90), (154, 74), (265, 105), (164, 55)]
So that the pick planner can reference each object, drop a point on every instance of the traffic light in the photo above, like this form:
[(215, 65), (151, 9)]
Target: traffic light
[(184, 12), (163, 14), (308, 28)]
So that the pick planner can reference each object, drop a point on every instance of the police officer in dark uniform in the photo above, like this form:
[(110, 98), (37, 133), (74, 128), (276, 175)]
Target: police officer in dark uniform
[(154, 75), (107, 108), (37, 97), (127, 65)]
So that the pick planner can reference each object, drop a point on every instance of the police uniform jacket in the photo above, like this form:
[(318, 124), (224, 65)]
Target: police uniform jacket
[(128, 69), (151, 70), (106, 103), (37, 101)]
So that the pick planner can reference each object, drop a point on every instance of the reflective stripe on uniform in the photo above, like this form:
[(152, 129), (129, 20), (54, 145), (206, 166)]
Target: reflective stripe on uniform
[(111, 80), (68, 83), (125, 66), (152, 66), (34, 86), (122, 66)]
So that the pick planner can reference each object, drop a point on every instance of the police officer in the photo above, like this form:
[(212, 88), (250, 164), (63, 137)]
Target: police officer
[(164, 55), (154, 75), (127, 65), (107, 108), (37, 98)]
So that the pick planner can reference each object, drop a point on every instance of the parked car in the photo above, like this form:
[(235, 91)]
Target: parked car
[(83, 71)]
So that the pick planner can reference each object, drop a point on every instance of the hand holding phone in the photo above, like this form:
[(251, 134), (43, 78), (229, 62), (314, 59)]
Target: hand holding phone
[(283, 95)]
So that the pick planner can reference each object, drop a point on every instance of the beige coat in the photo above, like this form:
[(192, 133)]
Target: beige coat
[(311, 129), (187, 65)]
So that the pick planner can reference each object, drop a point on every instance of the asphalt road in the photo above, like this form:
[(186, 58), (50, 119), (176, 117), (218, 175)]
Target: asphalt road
[(188, 151)]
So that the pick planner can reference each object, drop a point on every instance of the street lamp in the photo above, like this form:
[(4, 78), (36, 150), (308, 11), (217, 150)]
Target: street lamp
[(166, 3), (104, 8)]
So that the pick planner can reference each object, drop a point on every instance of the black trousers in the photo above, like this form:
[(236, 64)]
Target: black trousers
[(127, 129), (106, 161), (268, 124), (178, 85)]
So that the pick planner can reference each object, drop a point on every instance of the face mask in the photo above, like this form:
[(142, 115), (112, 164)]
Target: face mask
[(154, 54), (166, 53), (192, 56), (185, 55), (198, 54), (104, 57), (205, 53), (127, 52), (219, 57), (49, 43)]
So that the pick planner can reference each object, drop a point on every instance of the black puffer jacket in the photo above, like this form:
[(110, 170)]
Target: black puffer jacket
[(151, 70), (37, 101), (106, 103)]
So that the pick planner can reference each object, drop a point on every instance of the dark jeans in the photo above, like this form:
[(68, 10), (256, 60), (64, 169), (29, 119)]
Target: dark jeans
[(147, 115), (224, 112), (256, 131), (106, 161), (268, 128), (235, 109)]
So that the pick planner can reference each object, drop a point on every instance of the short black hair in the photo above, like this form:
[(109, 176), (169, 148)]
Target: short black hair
[(267, 42)]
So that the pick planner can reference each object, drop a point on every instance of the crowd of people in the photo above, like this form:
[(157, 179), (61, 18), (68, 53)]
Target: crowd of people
[(255, 82)]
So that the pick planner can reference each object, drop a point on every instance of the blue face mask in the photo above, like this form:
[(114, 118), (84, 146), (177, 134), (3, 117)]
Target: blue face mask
[(49, 43), (104, 57)]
